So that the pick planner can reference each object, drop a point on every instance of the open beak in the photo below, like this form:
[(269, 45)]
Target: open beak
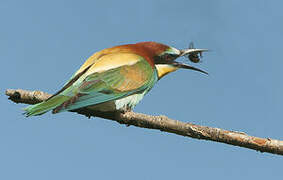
[(186, 52), (185, 66)]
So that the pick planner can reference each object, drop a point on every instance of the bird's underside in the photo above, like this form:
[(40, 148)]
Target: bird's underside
[(122, 105), (111, 108)]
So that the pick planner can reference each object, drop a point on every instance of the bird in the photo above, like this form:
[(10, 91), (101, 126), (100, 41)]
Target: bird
[(115, 79)]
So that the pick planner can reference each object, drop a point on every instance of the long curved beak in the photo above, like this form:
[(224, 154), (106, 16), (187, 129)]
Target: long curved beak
[(188, 52), (186, 66)]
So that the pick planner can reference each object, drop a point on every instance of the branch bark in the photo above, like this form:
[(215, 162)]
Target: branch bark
[(164, 123)]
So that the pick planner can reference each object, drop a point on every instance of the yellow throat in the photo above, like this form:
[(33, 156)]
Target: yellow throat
[(163, 69)]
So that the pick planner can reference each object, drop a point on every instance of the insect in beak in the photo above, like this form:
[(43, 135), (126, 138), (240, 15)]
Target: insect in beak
[(192, 53)]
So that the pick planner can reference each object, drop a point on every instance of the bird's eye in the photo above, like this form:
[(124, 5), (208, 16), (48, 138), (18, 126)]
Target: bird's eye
[(169, 57), (166, 57)]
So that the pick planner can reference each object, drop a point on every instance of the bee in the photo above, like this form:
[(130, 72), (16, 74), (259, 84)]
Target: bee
[(194, 57)]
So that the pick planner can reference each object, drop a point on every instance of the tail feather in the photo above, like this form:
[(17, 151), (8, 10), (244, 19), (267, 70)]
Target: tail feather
[(43, 107)]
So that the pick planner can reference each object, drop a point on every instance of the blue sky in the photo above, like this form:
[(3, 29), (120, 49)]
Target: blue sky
[(44, 42)]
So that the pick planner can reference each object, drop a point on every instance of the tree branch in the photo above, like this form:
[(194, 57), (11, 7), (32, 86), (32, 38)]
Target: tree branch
[(164, 123)]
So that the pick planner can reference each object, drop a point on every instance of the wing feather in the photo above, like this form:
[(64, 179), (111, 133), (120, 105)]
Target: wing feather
[(98, 85)]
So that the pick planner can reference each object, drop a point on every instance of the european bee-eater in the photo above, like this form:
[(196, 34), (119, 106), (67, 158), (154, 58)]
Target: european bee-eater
[(115, 79)]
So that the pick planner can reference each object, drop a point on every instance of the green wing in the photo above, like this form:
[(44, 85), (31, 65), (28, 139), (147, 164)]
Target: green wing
[(99, 87), (111, 85)]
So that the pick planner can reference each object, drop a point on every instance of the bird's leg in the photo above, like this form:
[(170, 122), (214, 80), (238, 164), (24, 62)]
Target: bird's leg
[(125, 109)]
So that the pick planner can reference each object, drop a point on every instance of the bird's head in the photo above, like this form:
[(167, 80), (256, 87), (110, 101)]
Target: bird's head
[(164, 57)]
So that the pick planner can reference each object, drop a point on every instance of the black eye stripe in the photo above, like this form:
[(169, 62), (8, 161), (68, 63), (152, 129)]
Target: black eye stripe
[(165, 58), (169, 57)]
